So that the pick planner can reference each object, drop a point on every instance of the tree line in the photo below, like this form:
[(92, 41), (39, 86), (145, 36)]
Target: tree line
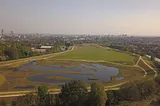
[(21, 50), (75, 93), (15, 51)]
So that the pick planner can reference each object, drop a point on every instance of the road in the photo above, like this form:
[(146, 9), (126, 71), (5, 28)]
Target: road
[(51, 91)]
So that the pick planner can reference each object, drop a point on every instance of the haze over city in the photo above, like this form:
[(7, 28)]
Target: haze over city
[(132, 17)]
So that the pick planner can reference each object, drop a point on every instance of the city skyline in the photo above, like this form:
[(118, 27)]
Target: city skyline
[(97, 17)]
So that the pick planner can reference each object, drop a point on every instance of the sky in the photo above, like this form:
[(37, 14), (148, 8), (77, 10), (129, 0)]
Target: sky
[(132, 17)]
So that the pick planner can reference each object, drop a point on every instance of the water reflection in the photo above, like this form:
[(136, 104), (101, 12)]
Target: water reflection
[(93, 71)]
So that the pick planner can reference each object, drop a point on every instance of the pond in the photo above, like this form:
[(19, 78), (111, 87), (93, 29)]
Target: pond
[(92, 72)]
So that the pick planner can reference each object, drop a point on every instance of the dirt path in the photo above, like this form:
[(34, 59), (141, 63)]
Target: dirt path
[(145, 72), (155, 75), (140, 58), (56, 91), (51, 91)]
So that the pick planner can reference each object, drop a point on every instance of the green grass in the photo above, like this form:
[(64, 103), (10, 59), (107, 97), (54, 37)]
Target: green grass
[(94, 53)]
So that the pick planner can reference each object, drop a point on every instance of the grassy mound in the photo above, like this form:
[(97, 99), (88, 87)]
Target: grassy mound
[(93, 53)]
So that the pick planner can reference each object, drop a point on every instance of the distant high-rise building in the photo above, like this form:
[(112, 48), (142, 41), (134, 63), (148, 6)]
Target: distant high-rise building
[(12, 33), (2, 32)]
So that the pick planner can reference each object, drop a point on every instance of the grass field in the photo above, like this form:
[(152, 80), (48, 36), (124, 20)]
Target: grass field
[(73, 58), (97, 53)]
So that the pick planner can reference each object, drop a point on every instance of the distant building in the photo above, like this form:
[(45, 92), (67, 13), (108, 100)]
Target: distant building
[(155, 59), (42, 48), (39, 50), (2, 32), (45, 47)]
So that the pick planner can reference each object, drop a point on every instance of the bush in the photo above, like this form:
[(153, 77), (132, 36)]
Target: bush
[(147, 89), (112, 98), (129, 92)]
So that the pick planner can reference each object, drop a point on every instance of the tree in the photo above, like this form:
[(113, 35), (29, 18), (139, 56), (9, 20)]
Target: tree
[(73, 93), (112, 98), (155, 103), (43, 96), (67, 44), (157, 64), (24, 51), (27, 100), (157, 81), (12, 52), (129, 92), (56, 100), (152, 57), (3, 103), (97, 96), (147, 89)]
